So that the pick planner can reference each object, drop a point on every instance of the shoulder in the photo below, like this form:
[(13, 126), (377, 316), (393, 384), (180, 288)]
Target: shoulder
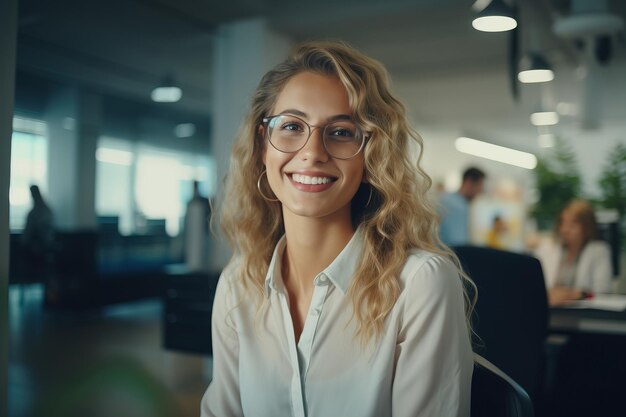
[(448, 198), (230, 284), (430, 273), (597, 247)]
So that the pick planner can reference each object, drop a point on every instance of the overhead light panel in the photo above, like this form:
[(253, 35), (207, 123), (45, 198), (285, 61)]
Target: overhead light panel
[(496, 17), (185, 130), (496, 153), (544, 118), (167, 92), (535, 69)]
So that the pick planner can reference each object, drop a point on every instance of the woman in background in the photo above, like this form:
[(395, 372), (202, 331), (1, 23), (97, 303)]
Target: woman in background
[(575, 264), (339, 299)]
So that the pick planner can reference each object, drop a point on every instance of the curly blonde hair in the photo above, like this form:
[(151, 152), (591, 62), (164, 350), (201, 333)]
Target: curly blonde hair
[(399, 216)]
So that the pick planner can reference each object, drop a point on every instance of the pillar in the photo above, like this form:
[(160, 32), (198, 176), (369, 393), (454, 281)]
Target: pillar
[(8, 35), (73, 119), (244, 51)]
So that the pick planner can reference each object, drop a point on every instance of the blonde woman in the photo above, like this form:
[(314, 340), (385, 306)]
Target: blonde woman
[(575, 263), (338, 300)]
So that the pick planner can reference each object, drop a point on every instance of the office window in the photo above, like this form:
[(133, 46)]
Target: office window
[(29, 166), (163, 184), (114, 182), (145, 189)]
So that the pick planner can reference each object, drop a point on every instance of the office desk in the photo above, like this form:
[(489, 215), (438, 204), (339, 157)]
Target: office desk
[(570, 320), (586, 370)]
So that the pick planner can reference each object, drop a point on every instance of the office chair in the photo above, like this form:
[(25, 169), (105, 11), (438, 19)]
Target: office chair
[(495, 394), (511, 313)]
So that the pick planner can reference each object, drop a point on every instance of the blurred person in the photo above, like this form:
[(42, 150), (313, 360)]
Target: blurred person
[(494, 236), (454, 208), (196, 231), (574, 263), (338, 299), (38, 237)]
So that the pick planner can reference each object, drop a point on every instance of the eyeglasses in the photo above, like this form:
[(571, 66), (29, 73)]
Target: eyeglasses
[(342, 139)]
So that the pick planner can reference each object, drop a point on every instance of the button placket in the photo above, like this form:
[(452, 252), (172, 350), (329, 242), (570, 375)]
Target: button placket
[(310, 326)]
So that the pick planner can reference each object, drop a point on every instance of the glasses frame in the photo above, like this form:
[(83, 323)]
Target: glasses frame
[(268, 119)]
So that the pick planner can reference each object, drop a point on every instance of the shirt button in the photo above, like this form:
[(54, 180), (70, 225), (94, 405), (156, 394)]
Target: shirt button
[(323, 279), (315, 312)]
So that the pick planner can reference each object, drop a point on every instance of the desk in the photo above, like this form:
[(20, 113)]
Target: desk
[(586, 370), (573, 320)]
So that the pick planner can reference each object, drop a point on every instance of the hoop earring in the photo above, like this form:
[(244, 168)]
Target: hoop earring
[(258, 185), (369, 199)]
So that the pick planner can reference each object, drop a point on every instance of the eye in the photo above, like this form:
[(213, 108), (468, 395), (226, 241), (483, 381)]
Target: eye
[(341, 133), (293, 126)]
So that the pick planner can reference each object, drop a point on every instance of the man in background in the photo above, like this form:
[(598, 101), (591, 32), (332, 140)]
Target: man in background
[(454, 208)]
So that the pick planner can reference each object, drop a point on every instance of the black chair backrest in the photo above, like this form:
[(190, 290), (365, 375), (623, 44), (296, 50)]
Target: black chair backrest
[(511, 314), (495, 394)]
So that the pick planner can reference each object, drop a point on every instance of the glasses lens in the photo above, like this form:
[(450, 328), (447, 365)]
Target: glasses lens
[(343, 139), (288, 133)]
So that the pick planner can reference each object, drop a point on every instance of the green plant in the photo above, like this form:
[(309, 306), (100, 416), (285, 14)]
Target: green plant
[(612, 183), (613, 180), (558, 181)]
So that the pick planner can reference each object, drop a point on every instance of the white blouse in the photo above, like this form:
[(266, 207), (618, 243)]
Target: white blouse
[(420, 366)]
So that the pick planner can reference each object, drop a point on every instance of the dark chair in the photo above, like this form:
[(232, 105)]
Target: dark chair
[(495, 394), (511, 314)]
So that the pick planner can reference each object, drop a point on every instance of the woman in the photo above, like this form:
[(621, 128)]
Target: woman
[(338, 300), (575, 264)]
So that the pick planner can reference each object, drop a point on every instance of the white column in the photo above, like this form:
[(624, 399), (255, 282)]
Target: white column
[(73, 121), (244, 52), (8, 35)]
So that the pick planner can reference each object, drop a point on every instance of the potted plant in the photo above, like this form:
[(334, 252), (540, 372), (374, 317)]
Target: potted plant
[(558, 181)]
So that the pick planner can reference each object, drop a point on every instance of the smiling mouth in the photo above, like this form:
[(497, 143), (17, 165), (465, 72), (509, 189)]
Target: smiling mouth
[(311, 180)]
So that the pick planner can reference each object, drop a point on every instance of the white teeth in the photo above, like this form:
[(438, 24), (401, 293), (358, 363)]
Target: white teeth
[(305, 179)]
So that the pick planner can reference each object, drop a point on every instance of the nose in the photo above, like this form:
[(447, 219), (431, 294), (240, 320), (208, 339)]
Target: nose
[(313, 149)]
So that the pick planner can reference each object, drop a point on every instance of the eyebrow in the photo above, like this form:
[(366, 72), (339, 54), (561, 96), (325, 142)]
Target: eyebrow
[(303, 114)]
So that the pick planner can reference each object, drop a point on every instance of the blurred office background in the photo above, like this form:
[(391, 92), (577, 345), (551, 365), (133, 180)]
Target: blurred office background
[(112, 326)]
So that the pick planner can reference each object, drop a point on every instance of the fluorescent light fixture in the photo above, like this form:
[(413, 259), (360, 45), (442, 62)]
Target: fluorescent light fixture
[(535, 69), (536, 75), (114, 156), (546, 140), (544, 118), (496, 153), (166, 94), (496, 17), (185, 130)]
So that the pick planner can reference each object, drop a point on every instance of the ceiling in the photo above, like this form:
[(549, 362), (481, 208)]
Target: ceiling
[(447, 72)]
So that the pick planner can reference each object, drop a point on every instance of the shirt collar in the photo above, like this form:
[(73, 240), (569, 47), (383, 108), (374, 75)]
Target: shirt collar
[(339, 272)]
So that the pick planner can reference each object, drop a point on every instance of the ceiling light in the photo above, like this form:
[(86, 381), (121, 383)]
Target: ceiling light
[(535, 69), (496, 17), (496, 153), (167, 92), (185, 130), (544, 118)]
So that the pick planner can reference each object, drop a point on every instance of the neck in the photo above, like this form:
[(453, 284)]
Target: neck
[(573, 250), (312, 245)]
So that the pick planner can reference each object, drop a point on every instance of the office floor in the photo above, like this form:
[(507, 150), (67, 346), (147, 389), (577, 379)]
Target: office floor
[(105, 364)]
